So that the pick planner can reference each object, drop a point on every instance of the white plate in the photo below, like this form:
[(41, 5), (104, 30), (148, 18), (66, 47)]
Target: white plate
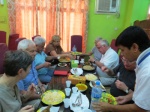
[(103, 88), (52, 109), (85, 102), (78, 71)]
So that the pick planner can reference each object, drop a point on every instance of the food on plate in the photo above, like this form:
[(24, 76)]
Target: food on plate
[(64, 59), (53, 97), (47, 109), (88, 67), (76, 53), (91, 77), (87, 63), (81, 87), (106, 97)]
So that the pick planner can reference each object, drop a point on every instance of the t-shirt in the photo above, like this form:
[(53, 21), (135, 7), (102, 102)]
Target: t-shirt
[(96, 53), (126, 76), (50, 47), (32, 77), (10, 100)]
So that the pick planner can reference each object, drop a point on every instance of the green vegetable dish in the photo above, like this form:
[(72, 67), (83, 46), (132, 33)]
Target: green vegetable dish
[(108, 98)]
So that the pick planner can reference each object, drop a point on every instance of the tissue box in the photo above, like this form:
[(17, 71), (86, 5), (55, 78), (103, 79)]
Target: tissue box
[(76, 79)]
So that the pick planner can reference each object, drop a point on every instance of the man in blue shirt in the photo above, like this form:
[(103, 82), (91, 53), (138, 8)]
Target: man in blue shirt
[(32, 77)]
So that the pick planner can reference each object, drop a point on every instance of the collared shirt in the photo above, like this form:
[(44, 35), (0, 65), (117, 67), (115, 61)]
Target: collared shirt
[(141, 95), (40, 59), (32, 77)]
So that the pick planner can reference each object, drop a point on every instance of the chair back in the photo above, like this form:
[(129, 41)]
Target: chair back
[(35, 36), (77, 41), (2, 37), (3, 49), (12, 39), (112, 45)]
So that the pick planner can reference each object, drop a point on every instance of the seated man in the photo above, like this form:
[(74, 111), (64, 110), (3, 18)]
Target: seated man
[(125, 81), (43, 67), (95, 51), (32, 77), (109, 59)]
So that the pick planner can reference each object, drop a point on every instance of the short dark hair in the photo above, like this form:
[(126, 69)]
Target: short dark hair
[(15, 60), (133, 34)]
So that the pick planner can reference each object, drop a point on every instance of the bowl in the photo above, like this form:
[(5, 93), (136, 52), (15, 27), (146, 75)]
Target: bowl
[(81, 87)]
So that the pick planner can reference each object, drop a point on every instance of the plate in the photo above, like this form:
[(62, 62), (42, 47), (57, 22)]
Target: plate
[(85, 102), (62, 64), (76, 53), (52, 97), (64, 59), (88, 68), (81, 87), (103, 88), (90, 77), (76, 71), (52, 109)]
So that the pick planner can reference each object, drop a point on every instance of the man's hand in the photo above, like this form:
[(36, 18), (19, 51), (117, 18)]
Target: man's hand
[(28, 108), (46, 64), (101, 106), (121, 99), (121, 85)]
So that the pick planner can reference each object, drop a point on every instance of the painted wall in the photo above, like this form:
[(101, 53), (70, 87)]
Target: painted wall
[(4, 25), (109, 26)]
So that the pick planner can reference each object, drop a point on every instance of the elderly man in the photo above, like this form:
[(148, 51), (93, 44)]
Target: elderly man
[(32, 77), (109, 59), (125, 81), (45, 73), (135, 46)]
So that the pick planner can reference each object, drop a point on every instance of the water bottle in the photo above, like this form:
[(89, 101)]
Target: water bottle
[(74, 49), (96, 94)]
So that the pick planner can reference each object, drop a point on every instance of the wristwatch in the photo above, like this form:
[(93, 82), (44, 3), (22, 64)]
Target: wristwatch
[(127, 90)]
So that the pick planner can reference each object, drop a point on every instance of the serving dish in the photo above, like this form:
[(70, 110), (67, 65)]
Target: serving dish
[(52, 97), (81, 87)]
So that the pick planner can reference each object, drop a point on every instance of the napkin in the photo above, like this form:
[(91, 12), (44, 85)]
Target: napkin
[(60, 72), (85, 102)]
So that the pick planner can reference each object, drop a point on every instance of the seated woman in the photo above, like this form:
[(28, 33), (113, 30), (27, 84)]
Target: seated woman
[(54, 48), (17, 65)]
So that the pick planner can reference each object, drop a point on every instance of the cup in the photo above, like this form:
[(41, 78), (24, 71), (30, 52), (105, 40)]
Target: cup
[(68, 83), (74, 90), (82, 60), (67, 91), (66, 102)]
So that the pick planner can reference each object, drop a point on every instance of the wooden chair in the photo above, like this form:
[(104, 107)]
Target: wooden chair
[(112, 45), (144, 24), (2, 37)]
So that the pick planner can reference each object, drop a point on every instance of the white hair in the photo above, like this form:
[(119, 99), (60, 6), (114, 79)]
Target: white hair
[(98, 39), (39, 40), (104, 42), (23, 44)]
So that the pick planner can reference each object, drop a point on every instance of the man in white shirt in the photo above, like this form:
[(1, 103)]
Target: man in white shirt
[(110, 59), (135, 46)]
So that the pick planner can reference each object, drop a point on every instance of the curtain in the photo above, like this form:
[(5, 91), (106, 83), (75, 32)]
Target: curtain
[(49, 17)]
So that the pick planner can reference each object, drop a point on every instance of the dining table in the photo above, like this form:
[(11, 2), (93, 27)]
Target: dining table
[(58, 82)]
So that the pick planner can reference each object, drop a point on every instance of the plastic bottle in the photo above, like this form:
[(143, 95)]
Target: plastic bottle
[(74, 49), (96, 94)]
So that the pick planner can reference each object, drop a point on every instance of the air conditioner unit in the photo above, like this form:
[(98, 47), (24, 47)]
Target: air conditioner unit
[(106, 6)]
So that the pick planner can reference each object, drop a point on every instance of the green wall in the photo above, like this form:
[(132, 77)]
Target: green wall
[(109, 26), (4, 25)]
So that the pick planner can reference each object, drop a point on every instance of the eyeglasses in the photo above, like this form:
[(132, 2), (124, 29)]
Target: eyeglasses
[(100, 47), (126, 61)]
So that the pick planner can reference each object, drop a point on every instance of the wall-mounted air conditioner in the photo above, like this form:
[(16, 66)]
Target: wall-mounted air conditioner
[(107, 6)]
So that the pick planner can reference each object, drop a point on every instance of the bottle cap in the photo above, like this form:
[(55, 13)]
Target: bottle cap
[(97, 83)]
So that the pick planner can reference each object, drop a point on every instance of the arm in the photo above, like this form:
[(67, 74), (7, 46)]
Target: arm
[(46, 64), (108, 71), (48, 58), (98, 63), (28, 108), (105, 107)]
